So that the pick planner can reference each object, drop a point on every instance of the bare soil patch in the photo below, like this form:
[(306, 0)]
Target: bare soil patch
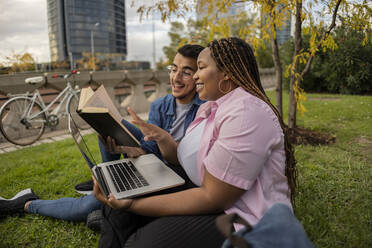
[(301, 135), (363, 140)]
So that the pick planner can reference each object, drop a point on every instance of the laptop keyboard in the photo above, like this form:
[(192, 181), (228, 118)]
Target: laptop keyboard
[(126, 176)]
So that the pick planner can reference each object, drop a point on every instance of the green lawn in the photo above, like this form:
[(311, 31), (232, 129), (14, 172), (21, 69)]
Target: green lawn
[(335, 181)]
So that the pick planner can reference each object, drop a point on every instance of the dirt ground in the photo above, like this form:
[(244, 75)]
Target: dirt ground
[(301, 135)]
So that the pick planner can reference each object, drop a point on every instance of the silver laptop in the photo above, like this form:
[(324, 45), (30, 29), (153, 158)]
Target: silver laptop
[(127, 178)]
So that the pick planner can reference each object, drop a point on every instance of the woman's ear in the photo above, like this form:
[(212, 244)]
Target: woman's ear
[(226, 77)]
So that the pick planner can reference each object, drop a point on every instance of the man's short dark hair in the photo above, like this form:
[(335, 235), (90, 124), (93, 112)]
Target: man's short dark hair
[(190, 51)]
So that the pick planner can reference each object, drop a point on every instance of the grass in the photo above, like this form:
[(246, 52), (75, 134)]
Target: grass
[(333, 202)]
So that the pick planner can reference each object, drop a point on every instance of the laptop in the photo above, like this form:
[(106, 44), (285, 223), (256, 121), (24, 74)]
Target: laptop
[(127, 178)]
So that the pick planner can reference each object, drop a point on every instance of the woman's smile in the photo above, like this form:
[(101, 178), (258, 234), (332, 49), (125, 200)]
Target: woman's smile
[(199, 87)]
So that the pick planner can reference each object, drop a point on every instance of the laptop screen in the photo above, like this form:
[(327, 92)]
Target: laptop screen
[(74, 130)]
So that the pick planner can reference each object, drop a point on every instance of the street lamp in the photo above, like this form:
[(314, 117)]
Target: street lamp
[(92, 44)]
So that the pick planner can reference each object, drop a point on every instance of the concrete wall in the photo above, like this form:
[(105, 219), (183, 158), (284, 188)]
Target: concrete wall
[(136, 89)]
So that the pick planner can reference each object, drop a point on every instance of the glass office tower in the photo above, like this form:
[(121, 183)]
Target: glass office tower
[(78, 26), (284, 32), (233, 10)]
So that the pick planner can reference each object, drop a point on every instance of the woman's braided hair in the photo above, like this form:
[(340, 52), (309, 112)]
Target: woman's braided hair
[(235, 57)]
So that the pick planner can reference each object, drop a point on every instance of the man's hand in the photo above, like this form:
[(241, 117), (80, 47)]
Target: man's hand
[(132, 152), (123, 204)]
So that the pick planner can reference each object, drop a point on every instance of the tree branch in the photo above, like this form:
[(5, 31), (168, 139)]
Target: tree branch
[(325, 35)]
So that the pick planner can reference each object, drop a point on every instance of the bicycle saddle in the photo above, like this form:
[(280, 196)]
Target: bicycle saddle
[(34, 80)]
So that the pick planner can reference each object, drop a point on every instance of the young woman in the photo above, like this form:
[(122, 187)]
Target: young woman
[(236, 152)]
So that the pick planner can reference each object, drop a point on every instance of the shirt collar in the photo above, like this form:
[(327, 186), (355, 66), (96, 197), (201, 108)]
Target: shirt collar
[(223, 98), (211, 106), (172, 108)]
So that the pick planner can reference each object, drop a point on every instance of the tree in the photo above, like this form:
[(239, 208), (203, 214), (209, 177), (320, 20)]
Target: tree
[(346, 70), (195, 33), (20, 62), (356, 14), (60, 65), (264, 56), (177, 40), (161, 64), (87, 61)]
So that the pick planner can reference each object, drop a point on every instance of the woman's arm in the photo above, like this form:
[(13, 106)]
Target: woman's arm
[(166, 143), (213, 196)]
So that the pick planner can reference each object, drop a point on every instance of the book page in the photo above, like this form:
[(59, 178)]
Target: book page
[(94, 110), (101, 99), (85, 94)]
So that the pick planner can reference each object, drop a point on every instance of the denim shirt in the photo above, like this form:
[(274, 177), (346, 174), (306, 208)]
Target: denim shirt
[(163, 114)]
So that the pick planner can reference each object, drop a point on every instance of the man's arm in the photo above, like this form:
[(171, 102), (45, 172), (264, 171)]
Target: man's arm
[(154, 118)]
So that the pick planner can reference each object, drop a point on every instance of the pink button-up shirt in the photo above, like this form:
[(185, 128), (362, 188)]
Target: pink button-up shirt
[(243, 145)]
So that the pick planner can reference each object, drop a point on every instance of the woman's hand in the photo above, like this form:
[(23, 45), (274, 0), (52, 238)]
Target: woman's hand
[(131, 152), (123, 204), (151, 131)]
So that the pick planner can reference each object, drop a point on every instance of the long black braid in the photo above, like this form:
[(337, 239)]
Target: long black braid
[(235, 57)]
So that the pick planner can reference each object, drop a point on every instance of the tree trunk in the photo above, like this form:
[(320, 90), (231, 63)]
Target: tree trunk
[(278, 74), (294, 77)]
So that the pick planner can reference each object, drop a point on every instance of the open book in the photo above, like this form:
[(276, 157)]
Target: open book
[(98, 110)]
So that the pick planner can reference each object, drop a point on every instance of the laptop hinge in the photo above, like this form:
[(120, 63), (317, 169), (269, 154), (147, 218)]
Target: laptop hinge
[(102, 180)]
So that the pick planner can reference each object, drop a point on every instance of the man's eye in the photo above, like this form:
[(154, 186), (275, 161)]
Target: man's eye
[(172, 68), (187, 73)]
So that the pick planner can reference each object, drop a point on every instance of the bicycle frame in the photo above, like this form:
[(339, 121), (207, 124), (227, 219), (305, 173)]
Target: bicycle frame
[(66, 93)]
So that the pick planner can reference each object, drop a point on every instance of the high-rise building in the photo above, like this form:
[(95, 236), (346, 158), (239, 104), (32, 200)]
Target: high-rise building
[(283, 33), (231, 11), (78, 26)]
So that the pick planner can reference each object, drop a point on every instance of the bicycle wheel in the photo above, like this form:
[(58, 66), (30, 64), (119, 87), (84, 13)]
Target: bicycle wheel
[(18, 128), (72, 105)]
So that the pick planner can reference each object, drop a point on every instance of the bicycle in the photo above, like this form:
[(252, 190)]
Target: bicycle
[(23, 119)]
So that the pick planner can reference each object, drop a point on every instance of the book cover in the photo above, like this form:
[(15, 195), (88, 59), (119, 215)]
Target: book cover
[(97, 109)]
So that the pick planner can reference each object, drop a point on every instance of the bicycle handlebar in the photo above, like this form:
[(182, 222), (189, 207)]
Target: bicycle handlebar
[(40, 79), (57, 76), (66, 75)]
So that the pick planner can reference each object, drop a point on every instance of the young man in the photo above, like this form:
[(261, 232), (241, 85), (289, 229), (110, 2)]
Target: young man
[(173, 113)]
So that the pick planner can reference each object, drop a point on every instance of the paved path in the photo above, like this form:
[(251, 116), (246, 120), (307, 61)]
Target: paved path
[(51, 136)]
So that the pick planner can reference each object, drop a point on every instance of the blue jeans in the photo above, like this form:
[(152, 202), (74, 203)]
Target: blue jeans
[(77, 209), (106, 156), (278, 228), (74, 209)]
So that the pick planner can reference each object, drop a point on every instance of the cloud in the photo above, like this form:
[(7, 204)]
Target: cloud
[(140, 40), (140, 34), (24, 28)]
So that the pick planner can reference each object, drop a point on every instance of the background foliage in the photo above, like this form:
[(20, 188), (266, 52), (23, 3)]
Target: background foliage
[(345, 70), (195, 32)]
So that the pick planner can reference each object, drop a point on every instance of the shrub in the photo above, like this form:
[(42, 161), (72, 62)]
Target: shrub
[(346, 70), (264, 57)]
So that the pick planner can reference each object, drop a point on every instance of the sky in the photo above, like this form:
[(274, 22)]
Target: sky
[(24, 28)]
